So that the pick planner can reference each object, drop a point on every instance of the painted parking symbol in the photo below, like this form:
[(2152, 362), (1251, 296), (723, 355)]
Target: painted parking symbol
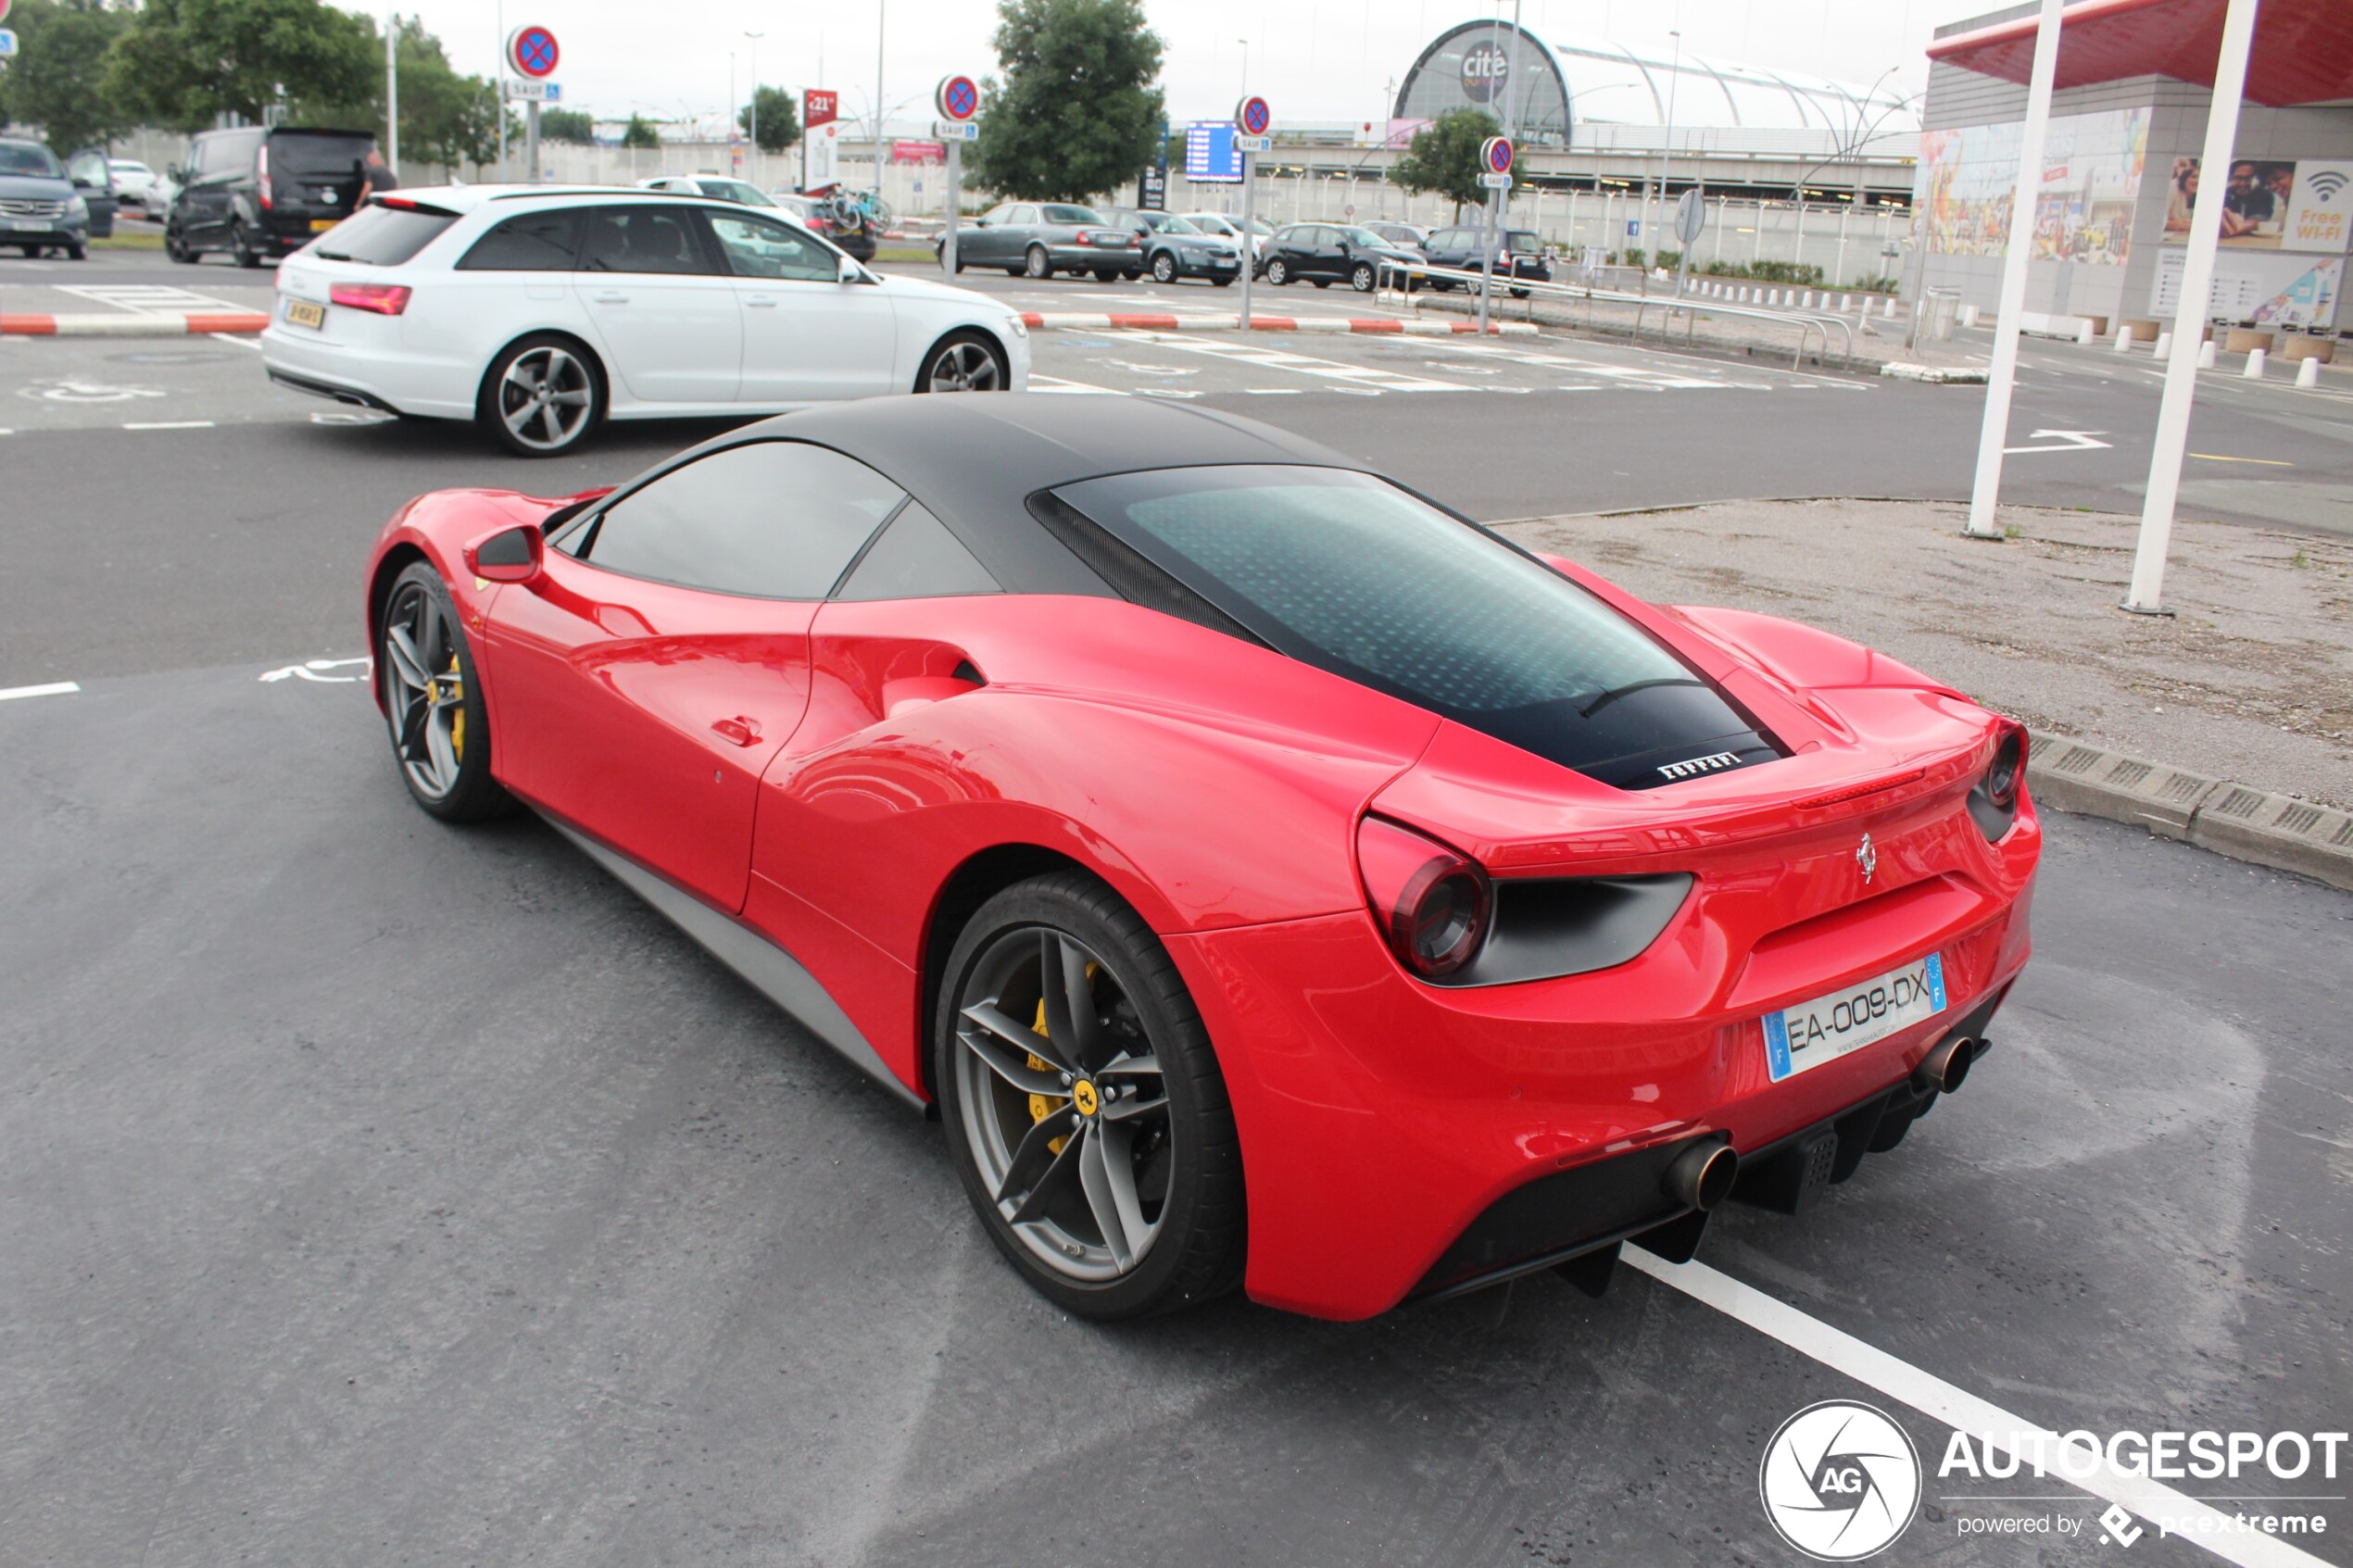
[(77, 391)]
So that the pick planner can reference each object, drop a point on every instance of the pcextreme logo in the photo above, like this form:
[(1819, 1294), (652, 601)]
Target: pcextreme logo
[(1840, 1481)]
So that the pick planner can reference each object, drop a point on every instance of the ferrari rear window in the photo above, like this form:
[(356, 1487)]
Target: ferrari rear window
[(1345, 572)]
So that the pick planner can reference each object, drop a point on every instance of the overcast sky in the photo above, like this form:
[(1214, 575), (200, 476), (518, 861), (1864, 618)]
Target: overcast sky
[(1313, 59)]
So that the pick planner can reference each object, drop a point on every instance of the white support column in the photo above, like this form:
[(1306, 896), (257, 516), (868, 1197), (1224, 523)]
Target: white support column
[(2147, 592), (1995, 431)]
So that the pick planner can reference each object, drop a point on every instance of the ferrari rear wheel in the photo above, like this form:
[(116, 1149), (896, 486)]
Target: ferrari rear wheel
[(433, 704), (1084, 1104)]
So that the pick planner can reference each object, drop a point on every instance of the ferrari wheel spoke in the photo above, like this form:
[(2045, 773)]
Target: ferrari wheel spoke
[(1070, 999), (1107, 1173), (1057, 1179), (408, 664), (1005, 1046), (1036, 1154)]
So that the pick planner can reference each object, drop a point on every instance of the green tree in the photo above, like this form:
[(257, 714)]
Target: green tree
[(58, 79), (445, 119), (1075, 112), (567, 125), (779, 119), (1443, 157), (640, 133), (188, 62)]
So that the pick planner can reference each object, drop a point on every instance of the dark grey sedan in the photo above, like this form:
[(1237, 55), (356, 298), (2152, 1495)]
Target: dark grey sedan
[(1039, 239), (1174, 249)]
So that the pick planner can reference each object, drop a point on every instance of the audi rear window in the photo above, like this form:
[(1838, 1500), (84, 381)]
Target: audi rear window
[(1347, 573), (380, 236)]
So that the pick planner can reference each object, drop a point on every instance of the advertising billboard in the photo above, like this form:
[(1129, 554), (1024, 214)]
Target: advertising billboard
[(2263, 291), (2092, 166), (2271, 204)]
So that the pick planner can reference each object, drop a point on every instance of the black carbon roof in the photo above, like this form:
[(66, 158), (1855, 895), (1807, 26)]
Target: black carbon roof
[(974, 459)]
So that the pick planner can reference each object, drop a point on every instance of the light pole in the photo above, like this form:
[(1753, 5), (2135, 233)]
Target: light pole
[(392, 94), (1666, 146), (755, 38), (882, 17), (1245, 44)]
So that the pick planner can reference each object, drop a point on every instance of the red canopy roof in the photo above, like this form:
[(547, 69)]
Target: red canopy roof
[(2303, 49)]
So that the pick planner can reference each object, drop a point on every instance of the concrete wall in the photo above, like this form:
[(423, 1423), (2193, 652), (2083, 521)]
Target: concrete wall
[(2177, 128)]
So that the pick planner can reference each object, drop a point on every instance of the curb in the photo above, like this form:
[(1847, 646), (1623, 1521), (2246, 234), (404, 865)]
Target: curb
[(1048, 321), (2236, 819), (1955, 375), (156, 325)]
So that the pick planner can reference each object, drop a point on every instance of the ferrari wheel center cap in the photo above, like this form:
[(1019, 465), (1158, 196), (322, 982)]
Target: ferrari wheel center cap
[(1083, 1096)]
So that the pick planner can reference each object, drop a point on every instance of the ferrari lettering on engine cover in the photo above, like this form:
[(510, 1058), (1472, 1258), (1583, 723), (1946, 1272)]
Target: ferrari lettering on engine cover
[(1696, 765)]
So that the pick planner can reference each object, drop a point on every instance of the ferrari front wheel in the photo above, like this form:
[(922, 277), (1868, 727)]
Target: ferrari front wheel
[(433, 702), (1084, 1105)]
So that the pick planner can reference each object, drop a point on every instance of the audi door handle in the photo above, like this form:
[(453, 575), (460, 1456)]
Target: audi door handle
[(737, 731), (761, 302), (609, 299)]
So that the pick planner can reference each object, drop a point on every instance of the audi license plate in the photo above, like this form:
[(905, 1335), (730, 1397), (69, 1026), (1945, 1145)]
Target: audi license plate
[(1827, 1028), (303, 313)]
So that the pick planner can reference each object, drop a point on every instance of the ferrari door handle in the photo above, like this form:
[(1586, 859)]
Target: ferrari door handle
[(737, 731)]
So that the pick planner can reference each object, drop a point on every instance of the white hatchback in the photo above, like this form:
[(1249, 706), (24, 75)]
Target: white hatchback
[(541, 312)]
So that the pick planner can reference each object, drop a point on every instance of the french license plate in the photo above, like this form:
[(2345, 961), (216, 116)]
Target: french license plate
[(303, 313), (29, 225), (1828, 1027), (321, 225)]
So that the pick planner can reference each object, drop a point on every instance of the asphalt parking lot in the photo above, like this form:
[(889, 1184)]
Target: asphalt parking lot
[(373, 1191)]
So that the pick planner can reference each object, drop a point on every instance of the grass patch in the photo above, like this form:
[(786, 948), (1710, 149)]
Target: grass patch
[(903, 253), (120, 240)]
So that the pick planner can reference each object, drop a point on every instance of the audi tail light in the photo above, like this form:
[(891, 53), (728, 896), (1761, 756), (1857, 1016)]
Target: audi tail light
[(382, 299), (1433, 905)]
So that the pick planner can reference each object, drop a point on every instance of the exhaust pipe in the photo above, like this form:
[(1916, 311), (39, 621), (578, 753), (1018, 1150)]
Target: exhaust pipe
[(1702, 1175), (1943, 1068)]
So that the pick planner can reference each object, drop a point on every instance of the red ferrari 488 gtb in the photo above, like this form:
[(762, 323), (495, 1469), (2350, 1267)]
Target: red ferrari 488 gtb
[(1266, 875)]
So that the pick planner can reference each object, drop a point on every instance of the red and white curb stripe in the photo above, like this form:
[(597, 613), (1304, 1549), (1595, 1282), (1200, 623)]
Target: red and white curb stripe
[(155, 324), (1160, 322)]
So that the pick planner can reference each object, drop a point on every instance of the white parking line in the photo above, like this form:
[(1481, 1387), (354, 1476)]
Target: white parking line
[(241, 341), (55, 688), (171, 424), (1263, 358), (145, 300), (2210, 1527), (1056, 384)]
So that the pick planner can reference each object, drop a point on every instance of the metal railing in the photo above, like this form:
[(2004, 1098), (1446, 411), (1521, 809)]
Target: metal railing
[(1689, 304)]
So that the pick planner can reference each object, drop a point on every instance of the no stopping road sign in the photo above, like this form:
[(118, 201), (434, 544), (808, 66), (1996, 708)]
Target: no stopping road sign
[(1495, 154), (1252, 117), (531, 49), (958, 98)]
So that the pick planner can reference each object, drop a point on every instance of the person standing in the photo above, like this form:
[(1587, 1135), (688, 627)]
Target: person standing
[(376, 176)]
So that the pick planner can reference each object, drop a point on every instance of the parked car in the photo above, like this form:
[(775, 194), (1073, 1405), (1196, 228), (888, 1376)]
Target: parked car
[(134, 182), (1519, 253), (1174, 249), (41, 207), (91, 175), (161, 195), (259, 193), (726, 190), (1264, 877), (539, 314), (1220, 224), (1039, 239), (1413, 236), (1325, 253), (854, 221), (807, 212)]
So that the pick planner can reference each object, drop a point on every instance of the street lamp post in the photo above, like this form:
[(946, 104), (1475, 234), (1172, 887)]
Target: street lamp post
[(755, 38)]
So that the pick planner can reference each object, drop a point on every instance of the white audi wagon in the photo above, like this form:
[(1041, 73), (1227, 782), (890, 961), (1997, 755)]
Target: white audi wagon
[(541, 312)]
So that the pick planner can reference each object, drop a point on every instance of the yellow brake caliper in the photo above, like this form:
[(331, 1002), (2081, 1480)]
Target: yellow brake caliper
[(1043, 1106), (457, 720)]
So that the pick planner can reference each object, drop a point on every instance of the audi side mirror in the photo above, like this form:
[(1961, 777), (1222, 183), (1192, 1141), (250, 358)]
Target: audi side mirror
[(513, 554), (850, 271)]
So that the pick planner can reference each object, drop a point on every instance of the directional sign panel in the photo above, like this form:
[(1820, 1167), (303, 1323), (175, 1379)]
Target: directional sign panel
[(959, 97), (1210, 155), (8, 43), (531, 49)]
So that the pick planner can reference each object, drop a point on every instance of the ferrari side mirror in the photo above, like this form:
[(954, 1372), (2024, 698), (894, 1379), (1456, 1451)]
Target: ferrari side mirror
[(513, 554)]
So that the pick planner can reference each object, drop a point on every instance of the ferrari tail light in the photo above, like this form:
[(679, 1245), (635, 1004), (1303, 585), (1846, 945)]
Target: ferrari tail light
[(1433, 906), (2008, 767), (1994, 802), (383, 299), (262, 178)]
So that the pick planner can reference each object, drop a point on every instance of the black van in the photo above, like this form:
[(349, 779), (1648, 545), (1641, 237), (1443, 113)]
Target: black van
[(260, 193)]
